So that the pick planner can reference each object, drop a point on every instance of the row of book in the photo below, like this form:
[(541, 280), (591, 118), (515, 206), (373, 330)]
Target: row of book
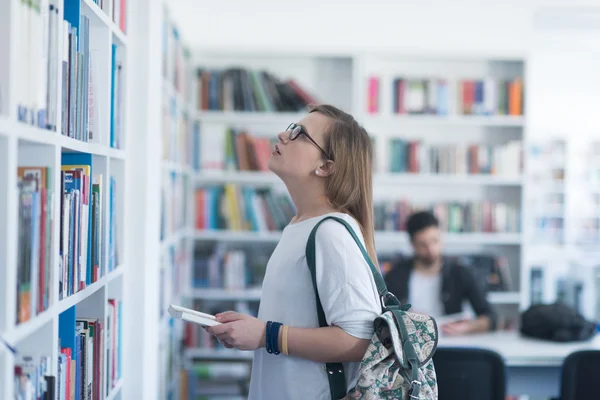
[(174, 266), (81, 225), (412, 96), (58, 52), (237, 208), (33, 378), (454, 217), (79, 79), (38, 39), (174, 213), (225, 269), (415, 156), (177, 145), (89, 362), (90, 356), (176, 70), (233, 150), (432, 96), (242, 209), (491, 97), (34, 241), (116, 10), (80, 110), (239, 89)]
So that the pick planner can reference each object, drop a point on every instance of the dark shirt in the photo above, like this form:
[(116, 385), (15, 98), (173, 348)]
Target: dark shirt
[(458, 284)]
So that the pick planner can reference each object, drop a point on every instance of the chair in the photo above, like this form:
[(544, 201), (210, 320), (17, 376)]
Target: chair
[(469, 374), (580, 374)]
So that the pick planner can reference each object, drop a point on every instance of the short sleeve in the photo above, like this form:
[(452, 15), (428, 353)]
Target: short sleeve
[(344, 281)]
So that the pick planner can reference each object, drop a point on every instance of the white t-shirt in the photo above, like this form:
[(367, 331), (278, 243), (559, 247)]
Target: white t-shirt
[(425, 294), (349, 298)]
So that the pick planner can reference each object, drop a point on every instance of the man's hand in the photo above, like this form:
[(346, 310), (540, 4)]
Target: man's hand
[(458, 328), (239, 331)]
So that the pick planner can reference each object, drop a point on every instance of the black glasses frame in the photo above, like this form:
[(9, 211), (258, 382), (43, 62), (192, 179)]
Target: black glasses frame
[(296, 130)]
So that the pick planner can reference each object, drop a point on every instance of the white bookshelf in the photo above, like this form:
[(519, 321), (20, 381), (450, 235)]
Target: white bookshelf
[(177, 177), (26, 144)]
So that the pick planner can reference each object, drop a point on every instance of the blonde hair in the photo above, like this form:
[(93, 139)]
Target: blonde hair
[(350, 187)]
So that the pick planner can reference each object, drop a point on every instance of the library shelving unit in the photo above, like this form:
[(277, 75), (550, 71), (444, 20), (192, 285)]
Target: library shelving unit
[(561, 227), (63, 162), (448, 134), (176, 180)]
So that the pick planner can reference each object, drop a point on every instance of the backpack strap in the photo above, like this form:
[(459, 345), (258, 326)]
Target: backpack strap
[(335, 371), (411, 356)]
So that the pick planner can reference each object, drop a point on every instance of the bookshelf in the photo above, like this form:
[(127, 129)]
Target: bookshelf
[(63, 147), (177, 177)]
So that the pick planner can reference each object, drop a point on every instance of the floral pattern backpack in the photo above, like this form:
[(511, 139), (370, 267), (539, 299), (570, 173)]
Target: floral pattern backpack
[(398, 362)]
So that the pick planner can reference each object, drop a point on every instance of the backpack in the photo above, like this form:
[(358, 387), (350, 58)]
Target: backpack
[(398, 362), (556, 322)]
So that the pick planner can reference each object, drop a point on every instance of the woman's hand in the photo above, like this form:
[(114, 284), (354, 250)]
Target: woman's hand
[(239, 331)]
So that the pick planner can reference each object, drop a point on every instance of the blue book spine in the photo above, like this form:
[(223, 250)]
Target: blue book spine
[(72, 11), (66, 329), (84, 159), (210, 209), (249, 206), (479, 106)]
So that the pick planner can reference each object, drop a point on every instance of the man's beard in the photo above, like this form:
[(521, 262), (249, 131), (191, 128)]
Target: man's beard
[(428, 262)]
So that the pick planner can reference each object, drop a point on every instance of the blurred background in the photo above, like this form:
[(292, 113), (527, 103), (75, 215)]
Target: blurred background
[(134, 138)]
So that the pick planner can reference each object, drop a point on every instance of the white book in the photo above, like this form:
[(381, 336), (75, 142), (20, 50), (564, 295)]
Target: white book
[(197, 317), (65, 242), (489, 96), (42, 63), (24, 46)]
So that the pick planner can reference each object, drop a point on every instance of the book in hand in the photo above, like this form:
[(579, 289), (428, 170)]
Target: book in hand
[(197, 317)]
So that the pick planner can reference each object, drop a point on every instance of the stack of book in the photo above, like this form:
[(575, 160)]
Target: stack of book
[(238, 89), (490, 97), (238, 208), (34, 241), (432, 96), (235, 150), (85, 353), (33, 378), (38, 37), (454, 217), (414, 156), (81, 227), (174, 213)]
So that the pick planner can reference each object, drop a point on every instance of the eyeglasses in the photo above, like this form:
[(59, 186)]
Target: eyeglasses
[(296, 130)]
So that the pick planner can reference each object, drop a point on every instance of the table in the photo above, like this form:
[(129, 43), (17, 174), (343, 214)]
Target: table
[(533, 366)]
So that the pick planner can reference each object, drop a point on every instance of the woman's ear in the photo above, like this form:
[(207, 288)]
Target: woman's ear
[(325, 169)]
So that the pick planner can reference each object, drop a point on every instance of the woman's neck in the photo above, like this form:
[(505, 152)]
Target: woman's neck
[(309, 203)]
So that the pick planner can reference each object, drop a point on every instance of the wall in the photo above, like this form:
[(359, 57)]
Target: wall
[(440, 26)]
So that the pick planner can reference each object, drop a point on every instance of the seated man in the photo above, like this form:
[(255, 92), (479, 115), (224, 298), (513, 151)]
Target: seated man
[(433, 284)]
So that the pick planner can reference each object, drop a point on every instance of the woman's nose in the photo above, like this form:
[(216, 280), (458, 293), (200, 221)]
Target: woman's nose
[(283, 136)]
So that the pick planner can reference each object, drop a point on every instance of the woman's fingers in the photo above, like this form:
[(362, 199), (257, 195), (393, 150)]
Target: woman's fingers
[(229, 316)]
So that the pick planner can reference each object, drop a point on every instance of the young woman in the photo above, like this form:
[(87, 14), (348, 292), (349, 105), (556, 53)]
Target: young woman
[(325, 161)]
